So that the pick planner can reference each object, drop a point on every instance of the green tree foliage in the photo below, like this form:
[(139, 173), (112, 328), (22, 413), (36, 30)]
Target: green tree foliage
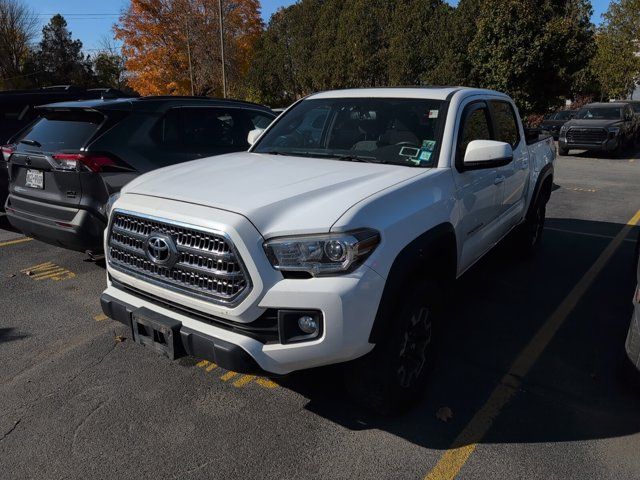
[(109, 70), (18, 27), (532, 50), (59, 58), (538, 51), (616, 63)]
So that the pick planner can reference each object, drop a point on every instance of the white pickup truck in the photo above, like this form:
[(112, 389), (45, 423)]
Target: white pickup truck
[(332, 239)]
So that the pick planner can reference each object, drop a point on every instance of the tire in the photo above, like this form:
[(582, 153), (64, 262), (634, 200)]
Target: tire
[(530, 232), (391, 379), (619, 151), (563, 151)]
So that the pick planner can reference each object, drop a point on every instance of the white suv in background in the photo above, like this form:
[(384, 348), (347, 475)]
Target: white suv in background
[(332, 239)]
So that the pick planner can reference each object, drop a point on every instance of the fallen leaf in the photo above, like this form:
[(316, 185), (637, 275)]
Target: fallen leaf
[(29, 273), (444, 414), (119, 338), (12, 275)]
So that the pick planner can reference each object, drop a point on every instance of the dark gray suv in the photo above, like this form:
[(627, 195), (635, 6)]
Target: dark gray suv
[(65, 166)]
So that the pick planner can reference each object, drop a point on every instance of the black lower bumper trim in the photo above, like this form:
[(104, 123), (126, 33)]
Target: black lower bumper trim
[(190, 342)]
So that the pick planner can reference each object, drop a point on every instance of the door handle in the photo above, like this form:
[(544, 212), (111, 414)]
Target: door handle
[(499, 179)]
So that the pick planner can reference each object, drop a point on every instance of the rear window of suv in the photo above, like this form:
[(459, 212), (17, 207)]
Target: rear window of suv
[(56, 131)]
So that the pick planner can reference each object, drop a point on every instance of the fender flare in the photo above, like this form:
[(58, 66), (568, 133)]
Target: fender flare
[(436, 247), (546, 172)]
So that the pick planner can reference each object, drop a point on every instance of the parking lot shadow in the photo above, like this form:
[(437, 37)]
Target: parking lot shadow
[(9, 335), (573, 392)]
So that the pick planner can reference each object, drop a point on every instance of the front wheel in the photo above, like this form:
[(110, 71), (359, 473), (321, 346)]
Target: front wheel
[(563, 151), (391, 378)]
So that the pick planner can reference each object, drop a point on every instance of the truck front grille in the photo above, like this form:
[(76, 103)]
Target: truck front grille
[(586, 136), (201, 263)]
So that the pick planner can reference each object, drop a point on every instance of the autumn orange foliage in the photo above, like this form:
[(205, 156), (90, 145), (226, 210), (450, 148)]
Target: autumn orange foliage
[(158, 36)]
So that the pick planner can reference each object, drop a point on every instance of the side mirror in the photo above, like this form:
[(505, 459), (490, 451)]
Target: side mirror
[(487, 154), (253, 135)]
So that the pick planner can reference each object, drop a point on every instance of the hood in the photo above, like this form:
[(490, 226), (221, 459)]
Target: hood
[(278, 194), (553, 123), (592, 123)]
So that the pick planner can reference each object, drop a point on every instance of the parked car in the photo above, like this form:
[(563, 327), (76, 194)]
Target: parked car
[(18, 109), (632, 345), (608, 127), (329, 243), (554, 121), (64, 167)]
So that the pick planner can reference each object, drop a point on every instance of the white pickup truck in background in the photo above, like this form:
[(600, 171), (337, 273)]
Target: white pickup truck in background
[(332, 239)]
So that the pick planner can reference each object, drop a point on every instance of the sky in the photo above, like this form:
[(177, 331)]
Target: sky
[(91, 20)]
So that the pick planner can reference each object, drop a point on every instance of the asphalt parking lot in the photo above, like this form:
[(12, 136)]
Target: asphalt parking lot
[(529, 369)]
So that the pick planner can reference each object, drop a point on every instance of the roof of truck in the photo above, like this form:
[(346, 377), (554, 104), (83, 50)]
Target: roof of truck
[(433, 93), (152, 103)]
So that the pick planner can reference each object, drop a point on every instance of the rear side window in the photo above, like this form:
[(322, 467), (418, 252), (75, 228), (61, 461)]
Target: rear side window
[(216, 127), (260, 120), (506, 123), (476, 127), (63, 130)]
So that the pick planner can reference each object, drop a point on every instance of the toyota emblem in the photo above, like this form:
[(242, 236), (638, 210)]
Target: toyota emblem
[(161, 249)]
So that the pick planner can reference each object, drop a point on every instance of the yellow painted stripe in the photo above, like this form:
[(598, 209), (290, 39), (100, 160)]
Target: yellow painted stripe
[(100, 318), (211, 367), (202, 363), (228, 376), (242, 381), (66, 275), (53, 273), (15, 242), (266, 383), (45, 271), (36, 267), (452, 461)]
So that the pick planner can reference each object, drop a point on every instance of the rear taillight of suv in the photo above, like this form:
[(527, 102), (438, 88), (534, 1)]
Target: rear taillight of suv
[(7, 150), (90, 162)]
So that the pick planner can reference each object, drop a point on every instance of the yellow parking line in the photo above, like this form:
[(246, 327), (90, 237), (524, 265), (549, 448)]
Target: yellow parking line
[(452, 461), (266, 383), (66, 275), (212, 366), (242, 381), (39, 266), (100, 318), (202, 363), (35, 274), (15, 242), (51, 274), (228, 376)]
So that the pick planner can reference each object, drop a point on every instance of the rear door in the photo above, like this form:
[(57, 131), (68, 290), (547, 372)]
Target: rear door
[(515, 174), (479, 192), (34, 171)]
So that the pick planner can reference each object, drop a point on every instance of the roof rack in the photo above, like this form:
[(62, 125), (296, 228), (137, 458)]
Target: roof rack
[(62, 88), (195, 97)]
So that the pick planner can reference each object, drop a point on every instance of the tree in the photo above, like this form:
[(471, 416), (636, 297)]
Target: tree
[(531, 49), (617, 62), (18, 27), (59, 58), (109, 67), (160, 37)]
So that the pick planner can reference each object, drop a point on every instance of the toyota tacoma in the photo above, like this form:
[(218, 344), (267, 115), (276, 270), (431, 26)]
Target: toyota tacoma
[(332, 239)]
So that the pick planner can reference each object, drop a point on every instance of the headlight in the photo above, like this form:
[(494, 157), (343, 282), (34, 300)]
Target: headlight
[(110, 202), (613, 131), (564, 129), (324, 254)]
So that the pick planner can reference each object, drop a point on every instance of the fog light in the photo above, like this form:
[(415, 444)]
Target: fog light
[(308, 324)]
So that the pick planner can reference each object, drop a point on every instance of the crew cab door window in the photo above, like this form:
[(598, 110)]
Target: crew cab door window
[(505, 123), (477, 126)]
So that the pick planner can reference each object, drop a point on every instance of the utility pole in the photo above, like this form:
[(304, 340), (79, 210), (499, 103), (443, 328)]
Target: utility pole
[(189, 55), (224, 74)]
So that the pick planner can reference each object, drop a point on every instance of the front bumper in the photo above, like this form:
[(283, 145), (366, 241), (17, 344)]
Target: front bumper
[(71, 228), (348, 305), (608, 145)]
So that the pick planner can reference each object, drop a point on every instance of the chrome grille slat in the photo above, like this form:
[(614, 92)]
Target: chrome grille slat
[(207, 264)]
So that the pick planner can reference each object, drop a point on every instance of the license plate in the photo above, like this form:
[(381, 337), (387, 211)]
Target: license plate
[(35, 179)]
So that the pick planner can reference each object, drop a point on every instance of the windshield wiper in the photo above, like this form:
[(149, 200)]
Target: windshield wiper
[(33, 143), (273, 152), (354, 158)]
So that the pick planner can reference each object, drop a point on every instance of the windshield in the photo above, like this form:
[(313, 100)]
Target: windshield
[(636, 107), (599, 113), (378, 130), (563, 115)]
